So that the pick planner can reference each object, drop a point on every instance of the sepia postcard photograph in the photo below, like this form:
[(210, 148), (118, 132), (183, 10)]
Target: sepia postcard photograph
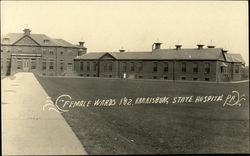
[(124, 77)]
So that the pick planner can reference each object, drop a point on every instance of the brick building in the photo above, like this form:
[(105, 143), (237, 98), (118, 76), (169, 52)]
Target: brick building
[(201, 64), (38, 53)]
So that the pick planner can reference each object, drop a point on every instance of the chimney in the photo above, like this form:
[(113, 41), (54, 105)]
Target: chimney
[(26, 31), (211, 46), (178, 46), (200, 46), (157, 45), (122, 50), (81, 44)]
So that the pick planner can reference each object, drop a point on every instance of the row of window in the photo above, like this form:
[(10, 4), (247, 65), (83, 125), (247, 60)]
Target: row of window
[(94, 64), (50, 52), (224, 69), (108, 66), (195, 67), (61, 53), (44, 65)]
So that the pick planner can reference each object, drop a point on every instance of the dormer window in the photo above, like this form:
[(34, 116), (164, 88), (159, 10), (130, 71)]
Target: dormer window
[(6, 39), (46, 41)]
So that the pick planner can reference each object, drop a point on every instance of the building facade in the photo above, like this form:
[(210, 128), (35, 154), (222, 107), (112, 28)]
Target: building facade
[(198, 64), (38, 53)]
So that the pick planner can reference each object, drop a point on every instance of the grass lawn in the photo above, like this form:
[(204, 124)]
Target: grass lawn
[(154, 128)]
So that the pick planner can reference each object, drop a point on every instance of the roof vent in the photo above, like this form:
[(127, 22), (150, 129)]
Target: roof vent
[(211, 46), (26, 31), (81, 44), (178, 46), (200, 46), (224, 50), (156, 45), (122, 50)]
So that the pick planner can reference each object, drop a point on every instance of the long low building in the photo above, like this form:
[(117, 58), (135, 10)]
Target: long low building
[(198, 64)]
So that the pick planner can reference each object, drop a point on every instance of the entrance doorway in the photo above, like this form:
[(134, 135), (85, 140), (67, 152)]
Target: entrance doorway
[(26, 65)]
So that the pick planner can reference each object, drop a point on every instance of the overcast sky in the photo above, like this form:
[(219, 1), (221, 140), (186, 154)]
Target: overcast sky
[(108, 26)]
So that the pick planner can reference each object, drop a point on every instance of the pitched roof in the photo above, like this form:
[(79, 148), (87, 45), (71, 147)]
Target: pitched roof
[(91, 56), (232, 57), (39, 38), (162, 54)]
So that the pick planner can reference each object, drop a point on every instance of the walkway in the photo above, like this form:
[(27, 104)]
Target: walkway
[(27, 129)]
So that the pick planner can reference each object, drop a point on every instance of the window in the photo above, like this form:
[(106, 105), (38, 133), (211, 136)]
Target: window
[(44, 51), (19, 50), (195, 78), (140, 77), (51, 52), (110, 66), (237, 69), (8, 64), (44, 74), (51, 65), (94, 75), (206, 79), (1, 50), (132, 67), (183, 78), (69, 66), (105, 66), (165, 66), (88, 66), (61, 65), (70, 52), (94, 66), (155, 67), (33, 50), (61, 53), (81, 65), (110, 75), (124, 66), (183, 67), (87, 75), (19, 64), (195, 68), (33, 65), (43, 65), (140, 66), (165, 77), (81, 74), (223, 69), (207, 68), (154, 77)]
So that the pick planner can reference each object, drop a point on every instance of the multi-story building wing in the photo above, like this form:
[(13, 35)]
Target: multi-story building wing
[(202, 64), (38, 53)]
